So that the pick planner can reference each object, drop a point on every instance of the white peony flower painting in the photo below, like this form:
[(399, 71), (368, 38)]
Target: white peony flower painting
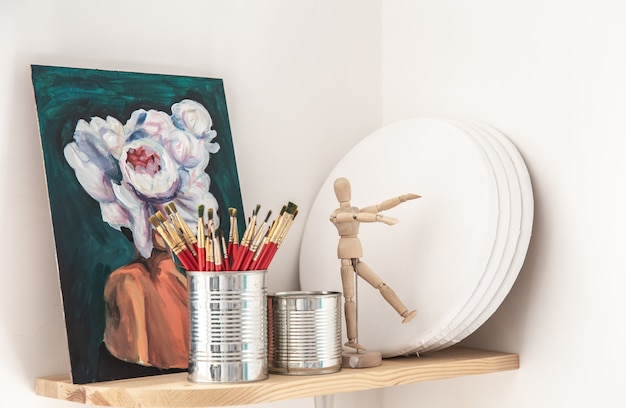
[(155, 157), (117, 147)]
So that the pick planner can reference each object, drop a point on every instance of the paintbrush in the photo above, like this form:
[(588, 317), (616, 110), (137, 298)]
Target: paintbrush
[(245, 240), (187, 235), (233, 235), (215, 243), (225, 260), (180, 245), (210, 259), (259, 251), (201, 239), (248, 234), (256, 242), (212, 226), (276, 224), (176, 244), (256, 260), (285, 230), (284, 223), (174, 222), (161, 230), (217, 255)]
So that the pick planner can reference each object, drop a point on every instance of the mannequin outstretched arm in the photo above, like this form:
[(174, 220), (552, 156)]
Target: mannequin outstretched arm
[(390, 203), (362, 217)]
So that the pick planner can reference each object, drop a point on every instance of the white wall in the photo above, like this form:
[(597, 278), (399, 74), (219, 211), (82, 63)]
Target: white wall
[(550, 74), (304, 78), (302, 82)]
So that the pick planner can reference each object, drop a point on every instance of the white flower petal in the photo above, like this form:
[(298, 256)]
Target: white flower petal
[(113, 136), (126, 197), (138, 215), (193, 116), (148, 124), (115, 214), (89, 174), (148, 167), (212, 147), (187, 150), (142, 231), (192, 196), (88, 140)]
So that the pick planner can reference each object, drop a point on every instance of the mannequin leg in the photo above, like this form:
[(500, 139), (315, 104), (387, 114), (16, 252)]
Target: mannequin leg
[(388, 294), (347, 280)]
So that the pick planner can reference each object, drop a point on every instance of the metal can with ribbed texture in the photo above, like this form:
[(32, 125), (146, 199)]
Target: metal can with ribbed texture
[(304, 332), (228, 326)]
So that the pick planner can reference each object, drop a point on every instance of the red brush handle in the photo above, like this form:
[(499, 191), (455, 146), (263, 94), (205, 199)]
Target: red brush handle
[(247, 261), (201, 259), (267, 256), (188, 261), (226, 263), (258, 255), (230, 249), (240, 256)]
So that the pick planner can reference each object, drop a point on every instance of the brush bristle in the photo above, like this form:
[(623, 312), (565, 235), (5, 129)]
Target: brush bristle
[(201, 211), (291, 207), (269, 213), (154, 221), (210, 213)]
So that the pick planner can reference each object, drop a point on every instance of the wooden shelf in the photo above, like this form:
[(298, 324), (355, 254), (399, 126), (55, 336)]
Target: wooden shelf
[(173, 390)]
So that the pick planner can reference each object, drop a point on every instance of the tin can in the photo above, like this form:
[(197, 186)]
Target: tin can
[(228, 326), (304, 332)]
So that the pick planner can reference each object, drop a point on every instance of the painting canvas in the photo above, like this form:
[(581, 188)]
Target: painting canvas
[(117, 147)]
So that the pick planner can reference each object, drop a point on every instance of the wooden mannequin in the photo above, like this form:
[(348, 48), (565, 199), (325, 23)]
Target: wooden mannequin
[(347, 220)]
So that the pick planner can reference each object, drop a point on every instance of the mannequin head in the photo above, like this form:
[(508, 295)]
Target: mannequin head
[(343, 191)]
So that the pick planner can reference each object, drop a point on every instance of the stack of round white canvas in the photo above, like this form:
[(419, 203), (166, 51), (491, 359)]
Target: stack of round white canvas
[(454, 254)]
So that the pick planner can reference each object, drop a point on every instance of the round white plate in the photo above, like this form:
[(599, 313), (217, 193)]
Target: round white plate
[(437, 254)]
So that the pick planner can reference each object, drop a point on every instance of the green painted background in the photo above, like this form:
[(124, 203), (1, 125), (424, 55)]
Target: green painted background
[(88, 249)]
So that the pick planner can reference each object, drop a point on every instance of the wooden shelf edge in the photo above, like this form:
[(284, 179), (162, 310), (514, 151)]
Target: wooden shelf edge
[(173, 390)]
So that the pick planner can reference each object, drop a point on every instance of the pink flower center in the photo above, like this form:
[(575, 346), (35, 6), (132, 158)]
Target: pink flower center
[(144, 161)]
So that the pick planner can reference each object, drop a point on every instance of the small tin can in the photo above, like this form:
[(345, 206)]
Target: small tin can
[(304, 332), (228, 326)]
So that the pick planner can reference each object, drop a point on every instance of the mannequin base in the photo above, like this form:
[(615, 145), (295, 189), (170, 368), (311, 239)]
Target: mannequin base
[(360, 359)]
